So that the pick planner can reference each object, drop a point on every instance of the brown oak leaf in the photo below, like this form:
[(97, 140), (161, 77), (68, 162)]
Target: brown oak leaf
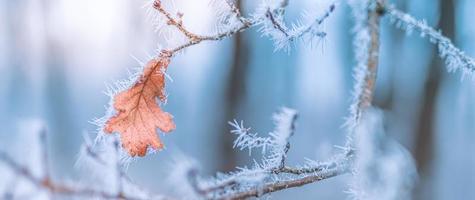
[(138, 114)]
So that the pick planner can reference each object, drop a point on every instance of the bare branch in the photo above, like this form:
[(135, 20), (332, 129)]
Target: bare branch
[(59, 189), (281, 185)]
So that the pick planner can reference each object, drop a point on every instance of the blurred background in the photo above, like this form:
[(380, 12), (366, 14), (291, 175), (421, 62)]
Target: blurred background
[(57, 57)]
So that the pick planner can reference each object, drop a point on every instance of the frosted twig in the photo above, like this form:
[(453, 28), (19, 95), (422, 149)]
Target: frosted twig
[(59, 189), (366, 44), (455, 58), (272, 174), (195, 38), (237, 12), (276, 24), (245, 23), (374, 16), (306, 175), (300, 31), (273, 25), (281, 185), (285, 123), (46, 183)]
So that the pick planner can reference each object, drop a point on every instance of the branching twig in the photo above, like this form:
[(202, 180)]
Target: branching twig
[(54, 188), (237, 12), (454, 57), (306, 175), (277, 25), (281, 185), (59, 189), (246, 23), (276, 175), (195, 38)]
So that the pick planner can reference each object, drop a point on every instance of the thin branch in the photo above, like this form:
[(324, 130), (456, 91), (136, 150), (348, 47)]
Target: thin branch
[(273, 168), (195, 38), (157, 4), (237, 12), (277, 25), (245, 24), (317, 22), (454, 57), (374, 16), (291, 131), (366, 48), (282, 185), (306, 175), (54, 188)]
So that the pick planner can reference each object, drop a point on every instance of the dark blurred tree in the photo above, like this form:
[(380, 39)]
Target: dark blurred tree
[(424, 141), (234, 95)]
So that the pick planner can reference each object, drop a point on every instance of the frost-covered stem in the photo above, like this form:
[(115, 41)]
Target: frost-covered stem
[(367, 15), (303, 176), (314, 174), (282, 185), (246, 23), (195, 38), (287, 146), (276, 23), (304, 170), (318, 21), (237, 12), (374, 16), (454, 57), (272, 174), (45, 182), (54, 188), (157, 4), (217, 37)]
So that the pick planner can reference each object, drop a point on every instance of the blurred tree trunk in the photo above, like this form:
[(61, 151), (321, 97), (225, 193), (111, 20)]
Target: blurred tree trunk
[(235, 91), (57, 99), (386, 102), (424, 142), (19, 99)]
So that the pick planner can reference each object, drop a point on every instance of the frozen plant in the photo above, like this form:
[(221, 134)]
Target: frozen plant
[(380, 168)]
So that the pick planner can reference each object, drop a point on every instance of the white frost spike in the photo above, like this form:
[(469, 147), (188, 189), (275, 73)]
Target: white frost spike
[(383, 169), (270, 16), (455, 59), (274, 147), (246, 139)]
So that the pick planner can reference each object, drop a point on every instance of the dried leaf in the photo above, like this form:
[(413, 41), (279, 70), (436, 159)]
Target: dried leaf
[(138, 114)]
